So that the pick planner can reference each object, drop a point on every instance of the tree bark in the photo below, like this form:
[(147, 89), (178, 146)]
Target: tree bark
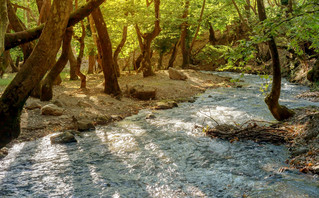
[(111, 83), (184, 35), (41, 59), (15, 39), (44, 11), (91, 62), (73, 65), (118, 50), (174, 54), (272, 99), (47, 84)]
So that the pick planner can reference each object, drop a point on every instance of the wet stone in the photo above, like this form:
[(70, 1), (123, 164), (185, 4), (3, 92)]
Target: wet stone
[(63, 138)]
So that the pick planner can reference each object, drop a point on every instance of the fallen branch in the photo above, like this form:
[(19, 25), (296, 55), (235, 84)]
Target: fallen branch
[(250, 131)]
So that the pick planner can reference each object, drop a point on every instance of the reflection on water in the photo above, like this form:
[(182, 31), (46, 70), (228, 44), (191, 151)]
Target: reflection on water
[(163, 157)]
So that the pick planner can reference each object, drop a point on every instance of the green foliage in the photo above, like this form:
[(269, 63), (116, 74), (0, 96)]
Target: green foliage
[(264, 88), (212, 53)]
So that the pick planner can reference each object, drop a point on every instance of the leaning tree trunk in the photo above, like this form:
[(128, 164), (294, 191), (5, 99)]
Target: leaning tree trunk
[(174, 54), (111, 83), (47, 84), (41, 59), (272, 99), (118, 50)]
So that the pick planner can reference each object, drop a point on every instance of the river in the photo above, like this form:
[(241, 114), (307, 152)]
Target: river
[(164, 157)]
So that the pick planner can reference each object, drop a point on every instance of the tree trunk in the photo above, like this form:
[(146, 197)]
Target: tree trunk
[(111, 83), (3, 25), (118, 50), (47, 84), (73, 65), (184, 35), (80, 57), (96, 41), (18, 26), (41, 59), (15, 39), (198, 26), (44, 11), (174, 54), (212, 37), (3, 29), (147, 41), (91, 62), (160, 61), (272, 99)]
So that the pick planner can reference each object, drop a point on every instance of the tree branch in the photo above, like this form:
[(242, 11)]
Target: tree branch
[(15, 39)]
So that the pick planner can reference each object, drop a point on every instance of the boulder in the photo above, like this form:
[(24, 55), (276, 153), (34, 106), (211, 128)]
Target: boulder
[(51, 109), (103, 119), (142, 93), (63, 138), (85, 125), (165, 105), (174, 74), (150, 116), (33, 105)]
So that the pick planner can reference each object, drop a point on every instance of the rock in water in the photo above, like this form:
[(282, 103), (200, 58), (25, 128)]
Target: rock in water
[(165, 105), (174, 74), (51, 109), (63, 138), (85, 125)]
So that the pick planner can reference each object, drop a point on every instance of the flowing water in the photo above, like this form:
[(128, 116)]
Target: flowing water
[(165, 156)]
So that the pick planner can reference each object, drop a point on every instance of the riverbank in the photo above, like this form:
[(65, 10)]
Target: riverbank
[(92, 105)]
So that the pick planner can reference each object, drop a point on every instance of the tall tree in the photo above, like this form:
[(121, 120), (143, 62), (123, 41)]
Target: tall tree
[(145, 45), (3, 25), (184, 36), (111, 83), (47, 84), (41, 59), (272, 99)]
